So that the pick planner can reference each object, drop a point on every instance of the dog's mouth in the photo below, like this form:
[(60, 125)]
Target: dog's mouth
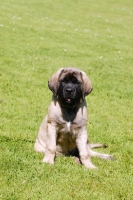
[(68, 100)]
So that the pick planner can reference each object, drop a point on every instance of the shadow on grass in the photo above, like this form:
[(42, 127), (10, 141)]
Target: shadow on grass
[(7, 139)]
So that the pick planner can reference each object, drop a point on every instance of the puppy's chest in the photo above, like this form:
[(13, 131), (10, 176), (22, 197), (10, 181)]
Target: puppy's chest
[(68, 127), (67, 133)]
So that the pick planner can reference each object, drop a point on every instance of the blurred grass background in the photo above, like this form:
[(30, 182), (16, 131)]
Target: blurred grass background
[(36, 39)]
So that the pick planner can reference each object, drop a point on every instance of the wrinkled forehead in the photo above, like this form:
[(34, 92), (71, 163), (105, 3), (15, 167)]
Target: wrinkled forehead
[(70, 73)]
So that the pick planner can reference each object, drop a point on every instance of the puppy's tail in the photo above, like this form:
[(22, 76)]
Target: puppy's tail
[(97, 146)]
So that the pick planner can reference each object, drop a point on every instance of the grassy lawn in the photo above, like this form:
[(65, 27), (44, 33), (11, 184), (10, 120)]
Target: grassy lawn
[(37, 37)]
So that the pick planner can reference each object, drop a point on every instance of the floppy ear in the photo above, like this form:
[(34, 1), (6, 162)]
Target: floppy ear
[(53, 82), (86, 84)]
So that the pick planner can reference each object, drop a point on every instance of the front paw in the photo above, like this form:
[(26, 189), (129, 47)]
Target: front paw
[(48, 160), (90, 166), (87, 163)]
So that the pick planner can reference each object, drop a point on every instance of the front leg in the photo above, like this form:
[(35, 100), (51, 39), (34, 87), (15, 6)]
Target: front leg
[(50, 143), (82, 146)]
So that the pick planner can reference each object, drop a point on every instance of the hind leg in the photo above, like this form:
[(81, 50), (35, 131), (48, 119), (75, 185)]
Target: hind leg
[(39, 147), (99, 155)]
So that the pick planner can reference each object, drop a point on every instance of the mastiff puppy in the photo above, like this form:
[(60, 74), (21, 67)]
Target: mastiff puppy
[(64, 129)]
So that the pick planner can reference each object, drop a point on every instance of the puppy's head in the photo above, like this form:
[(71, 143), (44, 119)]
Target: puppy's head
[(70, 85)]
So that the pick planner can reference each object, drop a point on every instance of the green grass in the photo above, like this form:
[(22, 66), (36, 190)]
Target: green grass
[(38, 37)]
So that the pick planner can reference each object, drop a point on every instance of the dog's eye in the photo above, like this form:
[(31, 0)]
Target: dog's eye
[(71, 80), (75, 81), (64, 80)]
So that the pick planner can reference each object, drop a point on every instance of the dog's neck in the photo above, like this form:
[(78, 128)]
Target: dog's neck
[(69, 114)]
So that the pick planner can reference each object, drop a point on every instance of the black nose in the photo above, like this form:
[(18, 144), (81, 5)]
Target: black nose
[(69, 90)]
